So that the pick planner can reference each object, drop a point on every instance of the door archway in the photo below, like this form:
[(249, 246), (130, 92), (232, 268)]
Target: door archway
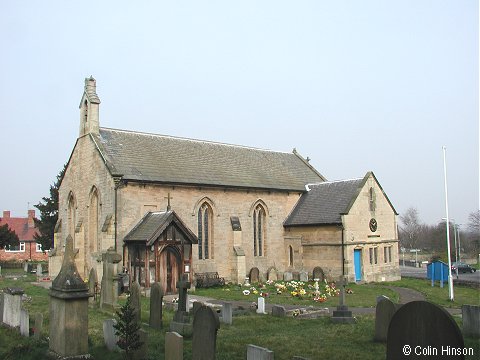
[(170, 269)]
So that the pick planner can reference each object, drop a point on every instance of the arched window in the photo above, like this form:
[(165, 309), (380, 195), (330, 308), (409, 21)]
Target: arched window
[(259, 230), (290, 255), (71, 213), (94, 240), (205, 231)]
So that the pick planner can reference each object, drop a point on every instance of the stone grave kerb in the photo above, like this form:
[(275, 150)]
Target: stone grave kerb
[(69, 309)]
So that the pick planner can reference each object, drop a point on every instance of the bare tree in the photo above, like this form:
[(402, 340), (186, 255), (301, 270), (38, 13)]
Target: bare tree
[(411, 228)]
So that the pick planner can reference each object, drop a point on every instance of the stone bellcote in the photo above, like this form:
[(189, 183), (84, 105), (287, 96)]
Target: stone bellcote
[(89, 108)]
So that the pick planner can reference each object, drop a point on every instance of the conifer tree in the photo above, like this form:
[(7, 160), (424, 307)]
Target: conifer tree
[(126, 329), (8, 237), (48, 214)]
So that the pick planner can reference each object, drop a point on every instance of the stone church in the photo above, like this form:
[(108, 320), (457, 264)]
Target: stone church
[(172, 205)]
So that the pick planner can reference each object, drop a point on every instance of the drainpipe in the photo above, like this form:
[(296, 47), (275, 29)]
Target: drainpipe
[(343, 252), (117, 181)]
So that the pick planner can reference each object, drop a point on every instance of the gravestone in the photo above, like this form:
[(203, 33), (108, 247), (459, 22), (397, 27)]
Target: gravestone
[(196, 306), (296, 276), (1, 307), (422, 325), (383, 315), (181, 321), (156, 300), (69, 309), (37, 330), (92, 286), (287, 276), (279, 311), (254, 275), (109, 335), (471, 320), (205, 327), (258, 353), (303, 276), (135, 301), (110, 279), (0, 271), (25, 266), (342, 315), (272, 274), (39, 270), (261, 305), (318, 273), (12, 306), (141, 352), (173, 346), (227, 313), (24, 323)]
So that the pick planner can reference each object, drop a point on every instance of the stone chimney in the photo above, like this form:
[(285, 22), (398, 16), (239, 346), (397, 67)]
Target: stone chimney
[(6, 214), (89, 108), (31, 217)]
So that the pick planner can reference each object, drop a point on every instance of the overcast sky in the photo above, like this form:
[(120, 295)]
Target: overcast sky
[(353, 85)]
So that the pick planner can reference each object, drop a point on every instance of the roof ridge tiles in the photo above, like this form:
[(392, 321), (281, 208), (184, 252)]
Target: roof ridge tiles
[(194, 140)]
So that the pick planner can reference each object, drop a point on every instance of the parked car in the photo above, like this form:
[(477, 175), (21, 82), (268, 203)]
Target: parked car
[(462, 267)]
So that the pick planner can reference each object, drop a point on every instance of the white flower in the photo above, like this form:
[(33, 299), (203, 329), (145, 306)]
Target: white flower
[(246, 292)]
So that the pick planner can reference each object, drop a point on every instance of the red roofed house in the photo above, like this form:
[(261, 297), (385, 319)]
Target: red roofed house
[(25, 229)]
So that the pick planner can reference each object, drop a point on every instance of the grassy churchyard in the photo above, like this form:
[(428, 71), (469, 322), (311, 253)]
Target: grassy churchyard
[(287, 336)]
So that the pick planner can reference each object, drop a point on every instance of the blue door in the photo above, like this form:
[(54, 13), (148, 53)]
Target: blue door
[(357, 260)]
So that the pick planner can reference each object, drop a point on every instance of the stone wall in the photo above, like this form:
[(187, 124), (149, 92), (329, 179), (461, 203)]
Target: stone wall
[(86, 171), (136, 200)]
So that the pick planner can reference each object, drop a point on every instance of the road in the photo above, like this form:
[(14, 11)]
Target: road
[(421, 273)]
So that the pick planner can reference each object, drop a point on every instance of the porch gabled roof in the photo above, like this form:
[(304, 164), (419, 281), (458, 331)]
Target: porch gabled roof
[(153, 224)]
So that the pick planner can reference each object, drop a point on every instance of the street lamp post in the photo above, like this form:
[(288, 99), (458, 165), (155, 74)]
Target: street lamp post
[(450, 280)]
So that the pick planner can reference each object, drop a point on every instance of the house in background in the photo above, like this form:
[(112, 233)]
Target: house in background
[(27, 249)]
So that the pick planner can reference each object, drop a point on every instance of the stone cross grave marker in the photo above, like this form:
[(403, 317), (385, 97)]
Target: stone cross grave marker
[(471, 320), (173, 346), (182, 286), (156, 299), (181, 321), (383, 315), (342, 315), (258, 353), (135, 301), (205, 327), (422, 325)]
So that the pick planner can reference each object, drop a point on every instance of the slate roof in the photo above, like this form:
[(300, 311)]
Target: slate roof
[(324, 203), (165, 159), (153, 224)]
